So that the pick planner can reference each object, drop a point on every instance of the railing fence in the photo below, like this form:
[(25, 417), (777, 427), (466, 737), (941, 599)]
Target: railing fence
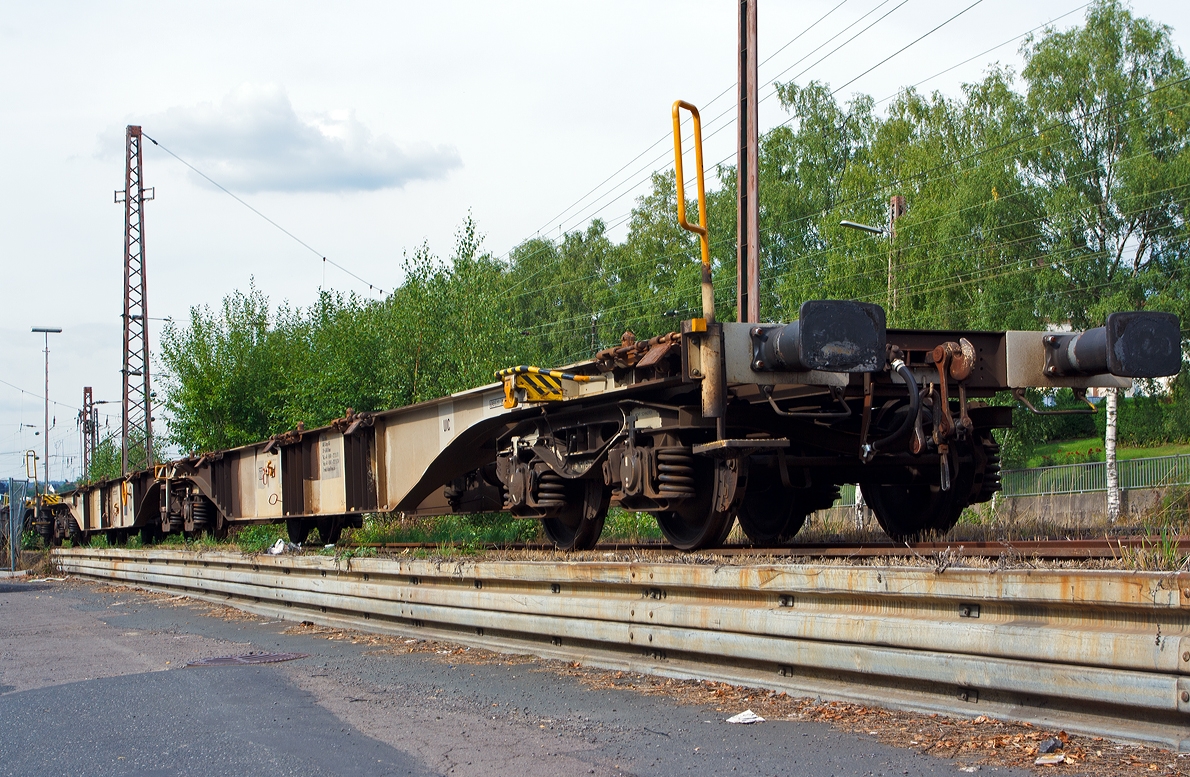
[(1153, 472)]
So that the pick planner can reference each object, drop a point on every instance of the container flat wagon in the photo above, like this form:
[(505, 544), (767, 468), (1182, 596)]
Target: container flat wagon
[(716, 423)]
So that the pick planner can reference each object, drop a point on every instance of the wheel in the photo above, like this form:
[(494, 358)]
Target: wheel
[(580, 523), (330, 530), (702, 520), (987, 454), (78, 537), (772, 514), (298, 530), (909, 511)]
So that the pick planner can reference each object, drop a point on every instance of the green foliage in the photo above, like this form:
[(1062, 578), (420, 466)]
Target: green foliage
[(108, 460), (1044, 198), (1154, 418), (30, 540), (257, 538), (630, 526), (477, 530)]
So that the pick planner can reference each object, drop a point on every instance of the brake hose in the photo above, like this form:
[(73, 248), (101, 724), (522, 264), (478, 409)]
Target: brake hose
[(901, 368)]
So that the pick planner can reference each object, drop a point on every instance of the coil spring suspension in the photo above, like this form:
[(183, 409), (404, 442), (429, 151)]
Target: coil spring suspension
[(202, 513), (675, 472), (551, 490)]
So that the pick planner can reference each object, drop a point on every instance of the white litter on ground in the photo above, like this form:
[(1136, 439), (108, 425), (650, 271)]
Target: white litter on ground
[(747, 716)]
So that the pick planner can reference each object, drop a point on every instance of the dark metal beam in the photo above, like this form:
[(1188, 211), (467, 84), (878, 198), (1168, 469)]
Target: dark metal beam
[(748, 211)]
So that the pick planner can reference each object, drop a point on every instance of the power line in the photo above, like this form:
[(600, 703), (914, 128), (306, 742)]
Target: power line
[(38, 396), (837, 206), (908, 45), (634, 182), (235, 197), (985, 52), (666, 136), (1015, 264), (770, 82)]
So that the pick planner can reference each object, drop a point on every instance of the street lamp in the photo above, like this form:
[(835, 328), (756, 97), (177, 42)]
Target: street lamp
[(864, 227), (47, 331), (896, 209)]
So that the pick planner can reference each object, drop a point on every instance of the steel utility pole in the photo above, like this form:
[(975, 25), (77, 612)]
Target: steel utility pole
[(47, 331), (747, 175), (136, 425)]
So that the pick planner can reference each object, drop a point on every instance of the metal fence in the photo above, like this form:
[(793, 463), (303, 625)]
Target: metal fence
[(11, 527), (1154, 472)]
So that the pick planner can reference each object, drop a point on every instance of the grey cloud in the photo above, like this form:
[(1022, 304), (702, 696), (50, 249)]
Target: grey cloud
[(253, 141)]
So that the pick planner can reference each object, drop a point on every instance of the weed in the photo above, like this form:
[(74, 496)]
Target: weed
[(99, 540), (630, 526), (31, 540), (258, 537)]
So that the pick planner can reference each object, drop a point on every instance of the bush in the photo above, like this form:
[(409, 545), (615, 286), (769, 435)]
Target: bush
[(30, 540)]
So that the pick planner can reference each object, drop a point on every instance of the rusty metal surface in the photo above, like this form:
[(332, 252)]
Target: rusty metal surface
[(1084, 646), (1100, 548)]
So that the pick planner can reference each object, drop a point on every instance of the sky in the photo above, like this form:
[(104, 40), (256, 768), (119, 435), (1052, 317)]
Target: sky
[(367, 129)]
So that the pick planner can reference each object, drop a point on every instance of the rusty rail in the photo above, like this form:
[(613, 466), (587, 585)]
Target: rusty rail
[(1101, 652), (1066, 549)]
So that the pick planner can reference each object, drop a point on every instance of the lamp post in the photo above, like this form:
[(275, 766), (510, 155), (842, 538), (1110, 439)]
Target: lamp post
[(896, 209), (47, 331)]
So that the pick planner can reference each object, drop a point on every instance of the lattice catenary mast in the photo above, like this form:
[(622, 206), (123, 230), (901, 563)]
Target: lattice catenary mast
[(89, 425), (136, 420)]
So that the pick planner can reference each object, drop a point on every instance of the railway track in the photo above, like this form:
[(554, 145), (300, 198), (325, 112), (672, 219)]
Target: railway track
[(1103, 652), (1050, 550)]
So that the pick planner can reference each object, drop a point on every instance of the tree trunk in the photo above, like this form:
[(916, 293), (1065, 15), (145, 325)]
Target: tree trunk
[(1109, 451)]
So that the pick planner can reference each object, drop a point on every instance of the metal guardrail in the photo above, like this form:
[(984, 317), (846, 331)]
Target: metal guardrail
[(1100, 652), (1154, 472)]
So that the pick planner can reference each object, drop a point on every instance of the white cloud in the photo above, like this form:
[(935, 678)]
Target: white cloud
[(253, 140)]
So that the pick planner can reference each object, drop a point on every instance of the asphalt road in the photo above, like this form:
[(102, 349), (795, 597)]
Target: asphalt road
[(93, 682)]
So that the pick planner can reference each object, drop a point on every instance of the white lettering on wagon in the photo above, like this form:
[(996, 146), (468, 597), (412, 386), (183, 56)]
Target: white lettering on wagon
[(332, 465)]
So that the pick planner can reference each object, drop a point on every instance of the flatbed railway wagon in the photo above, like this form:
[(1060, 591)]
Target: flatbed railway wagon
[(716, 423)]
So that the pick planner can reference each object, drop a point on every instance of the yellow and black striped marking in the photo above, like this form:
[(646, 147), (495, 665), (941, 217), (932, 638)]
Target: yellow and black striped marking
[(533, 384)]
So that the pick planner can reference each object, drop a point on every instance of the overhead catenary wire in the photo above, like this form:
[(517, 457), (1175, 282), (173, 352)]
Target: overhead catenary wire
[(806, 256), (240, 200), (38, 396), (688, 143), (768, 274), (633, 182), (582, 217), (666, 137)]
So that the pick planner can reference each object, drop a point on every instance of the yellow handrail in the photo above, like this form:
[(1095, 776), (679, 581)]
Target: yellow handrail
[(700, 229)]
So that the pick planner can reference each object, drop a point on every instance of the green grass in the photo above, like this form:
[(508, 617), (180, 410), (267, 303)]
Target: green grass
[(259, 537), (473, 530), (1091, 449)]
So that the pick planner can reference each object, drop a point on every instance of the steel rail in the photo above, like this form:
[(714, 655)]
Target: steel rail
[(1100, 652), (1093, 548)]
